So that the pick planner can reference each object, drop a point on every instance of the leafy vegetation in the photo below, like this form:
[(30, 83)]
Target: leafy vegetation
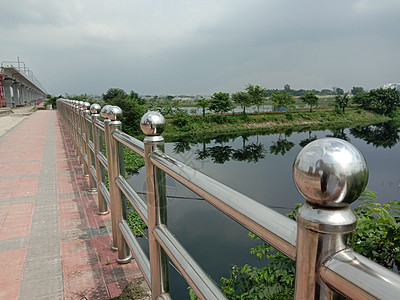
[(342, 101), (256, 94), (243, 99), (220, 103), (283, 99), (131, 108), (310, 99)]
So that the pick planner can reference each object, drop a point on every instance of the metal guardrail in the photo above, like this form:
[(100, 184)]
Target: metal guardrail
[(330, 173)]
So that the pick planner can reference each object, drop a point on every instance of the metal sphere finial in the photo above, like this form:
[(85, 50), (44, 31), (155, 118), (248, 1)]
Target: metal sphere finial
[(95, 108), (330, 172), (152, 123), (104, 110), (86, 105), (114, 113)]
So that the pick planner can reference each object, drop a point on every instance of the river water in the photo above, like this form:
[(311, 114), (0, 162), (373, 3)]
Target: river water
[(259, 166)]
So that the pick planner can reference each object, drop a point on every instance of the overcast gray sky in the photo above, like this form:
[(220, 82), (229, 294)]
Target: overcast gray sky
[(201, 47)]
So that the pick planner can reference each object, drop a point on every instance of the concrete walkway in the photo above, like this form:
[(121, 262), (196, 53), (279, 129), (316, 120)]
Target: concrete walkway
[(53, 244)]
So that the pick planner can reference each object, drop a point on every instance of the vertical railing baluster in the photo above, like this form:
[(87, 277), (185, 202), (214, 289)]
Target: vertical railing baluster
[(98, 142), (89, 164), (152, 125), (113, 163)]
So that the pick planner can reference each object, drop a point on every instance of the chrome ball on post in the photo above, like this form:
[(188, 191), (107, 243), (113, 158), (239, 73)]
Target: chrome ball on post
[(86, 105), (152, 123), (114, 113), (330, 172), (95, 108), (103, 112)]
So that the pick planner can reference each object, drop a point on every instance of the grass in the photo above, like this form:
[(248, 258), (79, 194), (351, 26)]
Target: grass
[(298, 120)]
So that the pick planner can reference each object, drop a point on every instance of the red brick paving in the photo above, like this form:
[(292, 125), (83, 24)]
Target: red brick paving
[(12, 266), (19, 187), (15, 220), (89, 267)]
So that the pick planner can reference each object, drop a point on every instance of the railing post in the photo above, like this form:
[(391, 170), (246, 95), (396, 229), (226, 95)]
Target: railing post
[(79, 132), (82, 114), (75, 135), (98, 142), (153, 125), (88, 137), (330, 174), (118, 209)]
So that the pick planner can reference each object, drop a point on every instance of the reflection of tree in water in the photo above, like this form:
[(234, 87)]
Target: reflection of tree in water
[(308, 140), (281, 146), (340, 134), (181, 146), (222, 153), (384, 135), (203, 153), (250, 153)]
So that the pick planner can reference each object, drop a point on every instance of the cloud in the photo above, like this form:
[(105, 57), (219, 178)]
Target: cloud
[(177, 46)]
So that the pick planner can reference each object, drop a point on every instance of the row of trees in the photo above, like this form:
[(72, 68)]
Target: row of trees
[(324, 92), (381, 100), (254, 95)]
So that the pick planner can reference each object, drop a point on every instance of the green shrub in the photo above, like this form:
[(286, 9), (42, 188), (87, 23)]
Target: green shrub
[(289, 116), (181, 118)]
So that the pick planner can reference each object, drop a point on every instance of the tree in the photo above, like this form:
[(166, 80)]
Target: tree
[(134, 95), (384, 101), (356, 90), (257, 94), (113, 93), (220, 103), (243, 99), (342, 101), (282, 99), (339, 91), (203, 103), (311, 99), (362, 100), (132, 111), (287, 88)]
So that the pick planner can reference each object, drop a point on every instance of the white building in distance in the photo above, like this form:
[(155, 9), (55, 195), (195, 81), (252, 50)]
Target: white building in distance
[(392, 86)]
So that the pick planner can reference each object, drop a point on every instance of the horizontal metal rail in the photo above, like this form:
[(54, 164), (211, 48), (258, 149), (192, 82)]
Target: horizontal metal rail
[(138, 253), (266, 223), (191, 271), (357, 277), (92, 170), (103, 160), (130, 142), (91, 146), (99, 125), (137, 202), (106, 194)]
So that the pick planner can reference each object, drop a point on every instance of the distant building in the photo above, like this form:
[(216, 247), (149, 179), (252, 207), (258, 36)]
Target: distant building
[(392, 86)]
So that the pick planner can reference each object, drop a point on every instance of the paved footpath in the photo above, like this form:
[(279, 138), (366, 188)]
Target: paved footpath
[(53, 244)]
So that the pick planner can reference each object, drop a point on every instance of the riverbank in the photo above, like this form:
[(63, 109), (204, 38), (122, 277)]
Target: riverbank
[(184, 126)]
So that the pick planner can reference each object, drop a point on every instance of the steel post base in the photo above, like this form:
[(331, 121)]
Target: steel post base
[(124, 260)]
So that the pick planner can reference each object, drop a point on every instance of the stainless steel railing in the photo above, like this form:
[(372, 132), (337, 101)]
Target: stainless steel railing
[(329, 173)]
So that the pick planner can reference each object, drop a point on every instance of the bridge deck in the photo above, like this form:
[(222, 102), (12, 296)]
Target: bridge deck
[(53, 244)]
